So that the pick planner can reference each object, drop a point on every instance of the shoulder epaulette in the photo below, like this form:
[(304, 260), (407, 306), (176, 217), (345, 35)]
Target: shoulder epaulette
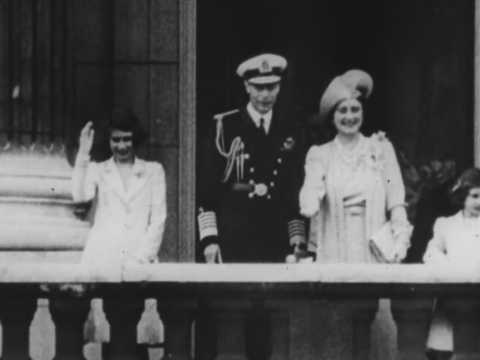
[(221, 116)]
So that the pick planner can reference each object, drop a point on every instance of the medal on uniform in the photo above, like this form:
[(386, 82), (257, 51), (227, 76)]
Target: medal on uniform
[(261, 189)]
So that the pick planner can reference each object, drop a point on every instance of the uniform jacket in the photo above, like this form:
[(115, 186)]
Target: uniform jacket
[(127, 223), (253, 227)]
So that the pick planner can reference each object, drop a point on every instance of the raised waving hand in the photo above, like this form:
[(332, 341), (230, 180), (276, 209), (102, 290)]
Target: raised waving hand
[(86, 139)]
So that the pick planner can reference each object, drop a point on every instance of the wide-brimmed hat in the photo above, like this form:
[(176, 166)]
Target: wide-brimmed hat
[(351, 85), (262, 69)]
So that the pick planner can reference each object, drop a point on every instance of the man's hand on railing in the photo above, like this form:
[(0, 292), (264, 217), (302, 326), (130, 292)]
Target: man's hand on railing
[(300, 254), (212, 253)]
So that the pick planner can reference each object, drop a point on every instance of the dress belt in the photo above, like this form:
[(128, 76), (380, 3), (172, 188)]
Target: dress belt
[(354, 210)]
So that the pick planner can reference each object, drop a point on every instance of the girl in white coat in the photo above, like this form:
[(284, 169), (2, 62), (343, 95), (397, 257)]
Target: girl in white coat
[(129, 196), (456, 240)]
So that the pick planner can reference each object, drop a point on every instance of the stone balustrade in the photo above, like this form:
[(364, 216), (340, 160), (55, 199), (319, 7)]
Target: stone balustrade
[(234, 312)]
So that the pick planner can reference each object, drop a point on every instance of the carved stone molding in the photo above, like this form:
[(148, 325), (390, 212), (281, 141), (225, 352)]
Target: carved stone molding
[(36, 208)]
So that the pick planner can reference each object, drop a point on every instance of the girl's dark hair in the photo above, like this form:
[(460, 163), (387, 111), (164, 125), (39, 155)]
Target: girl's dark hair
[(124, 119), (468, 180)]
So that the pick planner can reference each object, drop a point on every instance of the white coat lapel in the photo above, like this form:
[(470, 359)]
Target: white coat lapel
[(113, 178), (138, 179)]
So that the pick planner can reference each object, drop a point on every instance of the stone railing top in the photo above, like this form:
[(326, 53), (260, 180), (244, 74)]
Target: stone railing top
[(241, 273)]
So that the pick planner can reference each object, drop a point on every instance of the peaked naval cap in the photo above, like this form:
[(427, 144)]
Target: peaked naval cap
[(262, 69)]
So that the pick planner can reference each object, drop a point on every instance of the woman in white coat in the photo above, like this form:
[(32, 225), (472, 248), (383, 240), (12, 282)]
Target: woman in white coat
[(129, 195), (456, 240)]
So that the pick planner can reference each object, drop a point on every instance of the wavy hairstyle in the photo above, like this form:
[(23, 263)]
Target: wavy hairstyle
[(468, 180), (124, 119)]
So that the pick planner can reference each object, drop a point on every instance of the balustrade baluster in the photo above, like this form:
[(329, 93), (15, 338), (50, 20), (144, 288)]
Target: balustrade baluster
[(300, 336), (177, 320), (231, 320), (321, 329), (465, 317), (69, 316), (412, 318), (124, 314), (16, 316), (280, 327), (259, 333), (205, 332), (364, 312)]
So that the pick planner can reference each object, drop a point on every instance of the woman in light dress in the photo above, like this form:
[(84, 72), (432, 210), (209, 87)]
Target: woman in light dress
[(129, 195), (353, 186), (456, 240), (353, 183)]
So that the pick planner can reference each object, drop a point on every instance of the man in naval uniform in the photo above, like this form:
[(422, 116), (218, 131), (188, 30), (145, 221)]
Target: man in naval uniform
[(250, 173)]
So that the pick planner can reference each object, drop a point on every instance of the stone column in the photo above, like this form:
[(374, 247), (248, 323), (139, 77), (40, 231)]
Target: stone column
[(37, 214), (477, 85)]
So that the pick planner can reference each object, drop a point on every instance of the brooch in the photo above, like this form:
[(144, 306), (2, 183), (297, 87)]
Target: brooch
[(289, 144)]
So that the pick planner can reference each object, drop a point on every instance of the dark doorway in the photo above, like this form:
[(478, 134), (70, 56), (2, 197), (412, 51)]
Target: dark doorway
[(320, 39), (419, 53)]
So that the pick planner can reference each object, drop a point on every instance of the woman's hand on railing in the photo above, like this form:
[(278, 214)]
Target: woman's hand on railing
[(402, 243), (86, 139)]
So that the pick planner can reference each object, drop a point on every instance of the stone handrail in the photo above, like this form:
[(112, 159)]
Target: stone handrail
[(385, 277), (306, 311)]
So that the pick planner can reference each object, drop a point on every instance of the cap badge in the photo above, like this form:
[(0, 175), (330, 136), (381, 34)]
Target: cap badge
[(265, 67)]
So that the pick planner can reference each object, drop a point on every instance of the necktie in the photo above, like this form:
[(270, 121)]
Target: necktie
[(262, 129)]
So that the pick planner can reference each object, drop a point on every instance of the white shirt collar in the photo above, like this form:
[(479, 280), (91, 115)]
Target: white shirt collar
[(256, 116)]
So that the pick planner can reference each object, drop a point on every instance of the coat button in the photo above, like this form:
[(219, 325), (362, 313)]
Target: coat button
[(250, 195), (246, 156), (269, 197), (252, 170), (272, 184), (275, 172), (279, 160), (251, 182)]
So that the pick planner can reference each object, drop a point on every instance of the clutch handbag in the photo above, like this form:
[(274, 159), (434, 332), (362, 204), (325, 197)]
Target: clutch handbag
[(382, 244)]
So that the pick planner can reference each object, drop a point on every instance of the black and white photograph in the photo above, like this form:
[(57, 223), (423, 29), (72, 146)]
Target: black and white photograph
[(240, 179)]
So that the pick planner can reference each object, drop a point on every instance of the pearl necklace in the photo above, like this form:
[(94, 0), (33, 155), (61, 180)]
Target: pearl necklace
[(349, 156)]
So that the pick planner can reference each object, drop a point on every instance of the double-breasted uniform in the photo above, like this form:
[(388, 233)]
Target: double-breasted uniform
[(128, 222), (249, 183)]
